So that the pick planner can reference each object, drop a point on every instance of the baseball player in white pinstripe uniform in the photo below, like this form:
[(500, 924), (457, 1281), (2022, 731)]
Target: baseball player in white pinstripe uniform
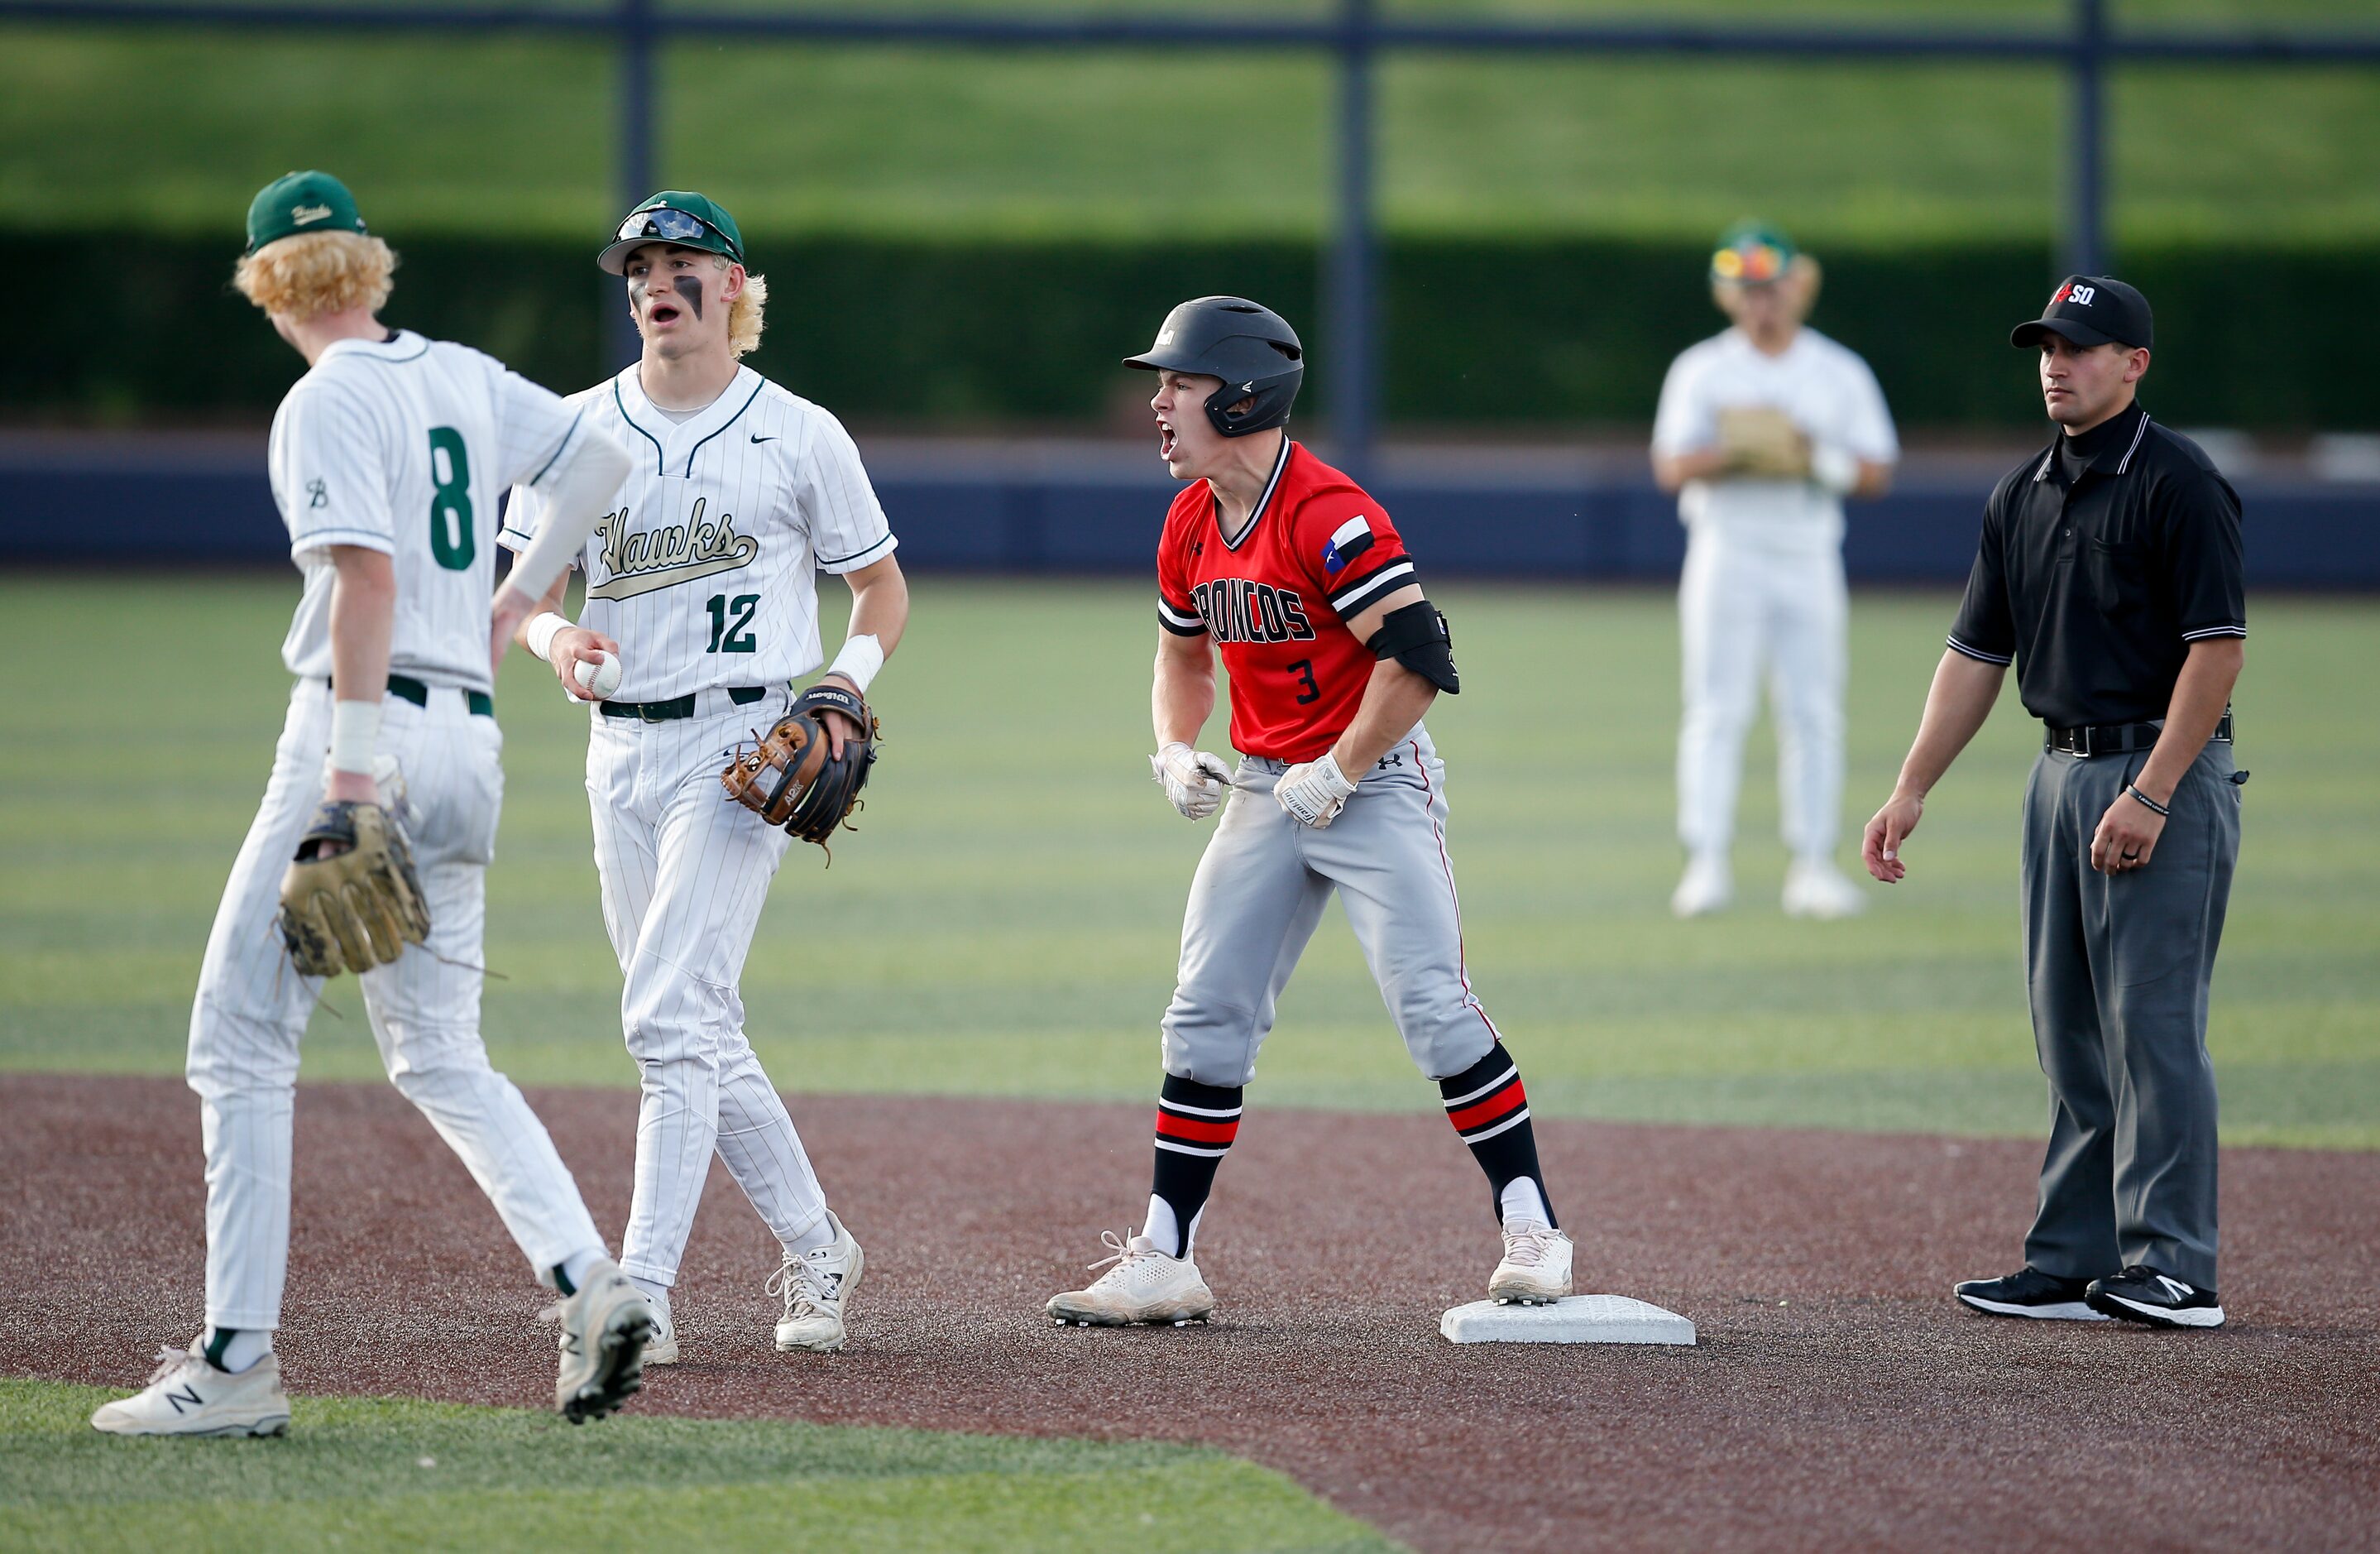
[(388, 459), (701, 590)]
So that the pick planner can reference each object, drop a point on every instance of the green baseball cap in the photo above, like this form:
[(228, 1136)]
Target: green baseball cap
[(680, 216), (300, 203), (1753, 253)]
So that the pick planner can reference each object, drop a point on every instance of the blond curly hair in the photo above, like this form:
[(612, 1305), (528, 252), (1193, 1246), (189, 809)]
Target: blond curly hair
[(744, 313), (312, 274)]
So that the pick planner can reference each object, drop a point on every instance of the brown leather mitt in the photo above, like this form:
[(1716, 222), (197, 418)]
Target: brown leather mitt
[(791, 780), (355, 908), (1760, 440)]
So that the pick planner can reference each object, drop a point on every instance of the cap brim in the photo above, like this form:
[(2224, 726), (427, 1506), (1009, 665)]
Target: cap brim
[(2026, 335), (614, 257)]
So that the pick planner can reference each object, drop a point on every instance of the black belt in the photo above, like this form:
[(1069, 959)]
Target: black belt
[(678, 707), (2115, 739), (482, 705)]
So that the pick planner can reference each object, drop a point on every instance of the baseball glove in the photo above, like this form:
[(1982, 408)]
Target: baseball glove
[(357, 908), (1758, 440), (790, 778)]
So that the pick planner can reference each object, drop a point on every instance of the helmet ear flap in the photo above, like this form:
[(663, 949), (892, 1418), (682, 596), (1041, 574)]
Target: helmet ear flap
[(1267, 401)]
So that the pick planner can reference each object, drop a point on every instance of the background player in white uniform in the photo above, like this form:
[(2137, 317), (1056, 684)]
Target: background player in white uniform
[(701, 582), (388, 459), (1762, 432)]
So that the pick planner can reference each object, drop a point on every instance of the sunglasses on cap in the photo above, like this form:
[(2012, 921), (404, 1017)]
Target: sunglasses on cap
[(664, 224), (1758, 262)]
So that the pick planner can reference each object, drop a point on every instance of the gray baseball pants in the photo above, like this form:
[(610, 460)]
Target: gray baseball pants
[(2117, 968), (1259, 892)]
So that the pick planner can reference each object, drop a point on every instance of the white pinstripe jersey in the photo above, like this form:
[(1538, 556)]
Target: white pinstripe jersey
[(404, 446), (704, 571)]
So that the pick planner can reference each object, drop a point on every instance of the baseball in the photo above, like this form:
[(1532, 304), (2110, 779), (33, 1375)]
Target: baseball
[(599, 680)]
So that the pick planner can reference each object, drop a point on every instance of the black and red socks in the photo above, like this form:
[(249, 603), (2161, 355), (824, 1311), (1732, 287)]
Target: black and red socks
[(1195, 1124), (1490, 1110)]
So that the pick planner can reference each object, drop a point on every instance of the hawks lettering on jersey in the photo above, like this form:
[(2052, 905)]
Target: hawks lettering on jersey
[(1317, 554), (705, 570)]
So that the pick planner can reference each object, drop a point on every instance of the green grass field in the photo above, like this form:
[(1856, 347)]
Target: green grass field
[(1006, 922), (169, 129), (374, 1473)]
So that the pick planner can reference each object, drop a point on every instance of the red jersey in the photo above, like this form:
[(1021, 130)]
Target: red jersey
[(1317, 553)]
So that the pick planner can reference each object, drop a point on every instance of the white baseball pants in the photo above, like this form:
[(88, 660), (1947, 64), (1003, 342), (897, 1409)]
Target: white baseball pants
[(685, 874), (252, 1006), (1742, 607)]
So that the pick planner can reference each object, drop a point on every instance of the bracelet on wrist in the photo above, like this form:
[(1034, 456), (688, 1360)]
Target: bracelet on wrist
[(2153, 807)]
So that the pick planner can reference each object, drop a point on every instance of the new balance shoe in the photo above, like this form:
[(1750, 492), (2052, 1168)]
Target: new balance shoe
[(2030, 1292), (1144, 1285), (604, 1327), (817, 1288), (2141, 1294), (1536, 1267), (185, 1396), (660, 1349)]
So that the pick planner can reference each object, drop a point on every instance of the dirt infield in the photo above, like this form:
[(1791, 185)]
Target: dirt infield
[(1838, 1397)]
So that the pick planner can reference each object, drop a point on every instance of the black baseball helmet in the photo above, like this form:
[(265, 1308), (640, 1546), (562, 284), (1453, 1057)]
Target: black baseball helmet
[(1250, 349)]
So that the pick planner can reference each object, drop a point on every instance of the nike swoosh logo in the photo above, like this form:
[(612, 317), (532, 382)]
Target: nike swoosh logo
[(758, 438)]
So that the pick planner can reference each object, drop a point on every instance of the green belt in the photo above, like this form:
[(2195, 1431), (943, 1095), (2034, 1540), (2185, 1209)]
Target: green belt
[(482, 705), (678, 707)]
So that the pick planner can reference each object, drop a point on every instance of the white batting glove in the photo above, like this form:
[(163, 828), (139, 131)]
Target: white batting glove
[(1314, 792), (1194, 780)]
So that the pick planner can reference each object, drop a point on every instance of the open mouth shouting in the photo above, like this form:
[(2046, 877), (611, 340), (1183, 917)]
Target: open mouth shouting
[(1165, 439)]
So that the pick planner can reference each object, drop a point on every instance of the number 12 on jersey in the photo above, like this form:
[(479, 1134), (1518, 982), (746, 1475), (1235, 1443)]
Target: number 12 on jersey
[(731, 623)]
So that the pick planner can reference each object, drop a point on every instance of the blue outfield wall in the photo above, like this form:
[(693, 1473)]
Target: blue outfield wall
[(179, 502)]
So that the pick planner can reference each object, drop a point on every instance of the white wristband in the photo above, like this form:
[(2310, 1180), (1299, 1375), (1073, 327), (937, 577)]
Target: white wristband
[(542, 633), (354, 729), (1835, 469), (860, 660)]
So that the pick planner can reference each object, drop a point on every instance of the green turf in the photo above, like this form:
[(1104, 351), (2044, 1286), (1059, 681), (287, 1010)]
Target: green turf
[(393, 1473), (167, 128), (1006, 922)]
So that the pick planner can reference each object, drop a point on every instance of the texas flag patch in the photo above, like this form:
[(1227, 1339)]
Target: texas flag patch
[(1353, 537)]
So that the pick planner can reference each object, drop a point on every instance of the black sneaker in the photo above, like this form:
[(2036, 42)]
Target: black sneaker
[(2030, 1292), (2141, 1294)]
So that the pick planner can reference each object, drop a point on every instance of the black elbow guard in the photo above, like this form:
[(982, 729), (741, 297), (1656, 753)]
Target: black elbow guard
[(1416, 637)]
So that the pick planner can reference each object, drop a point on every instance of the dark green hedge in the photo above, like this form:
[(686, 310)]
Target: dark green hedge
[(1481, 334)]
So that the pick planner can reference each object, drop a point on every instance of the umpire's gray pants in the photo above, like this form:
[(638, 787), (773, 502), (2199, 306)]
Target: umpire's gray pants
[(1259, 892), (2118, 968)]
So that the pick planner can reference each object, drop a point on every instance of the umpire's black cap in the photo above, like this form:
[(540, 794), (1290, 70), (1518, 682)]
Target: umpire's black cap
[(1251, 347), (2090, 311)]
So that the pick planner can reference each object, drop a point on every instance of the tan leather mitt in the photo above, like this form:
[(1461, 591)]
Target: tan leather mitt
[(1763, 440), (358, 906), (790, 779)]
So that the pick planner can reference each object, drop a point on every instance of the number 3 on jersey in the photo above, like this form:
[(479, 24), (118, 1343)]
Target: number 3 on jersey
[(450, 501), (731, 623)]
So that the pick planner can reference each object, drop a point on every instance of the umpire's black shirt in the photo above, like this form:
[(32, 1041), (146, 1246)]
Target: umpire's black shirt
[(2103, 558)]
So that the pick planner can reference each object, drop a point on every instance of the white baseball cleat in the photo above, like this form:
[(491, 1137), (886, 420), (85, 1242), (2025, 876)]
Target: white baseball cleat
[(1145, 1285), (1535, 1270), (1815, 888), (185, 1396), (604, 1327), (817, 1288), (1706, 887), (660, 1349)]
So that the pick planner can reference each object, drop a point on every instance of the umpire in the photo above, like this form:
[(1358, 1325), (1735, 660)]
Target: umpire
[(2109, 574)]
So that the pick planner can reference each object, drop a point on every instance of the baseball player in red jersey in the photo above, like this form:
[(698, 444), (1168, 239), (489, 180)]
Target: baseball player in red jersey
[(1298, 578)]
